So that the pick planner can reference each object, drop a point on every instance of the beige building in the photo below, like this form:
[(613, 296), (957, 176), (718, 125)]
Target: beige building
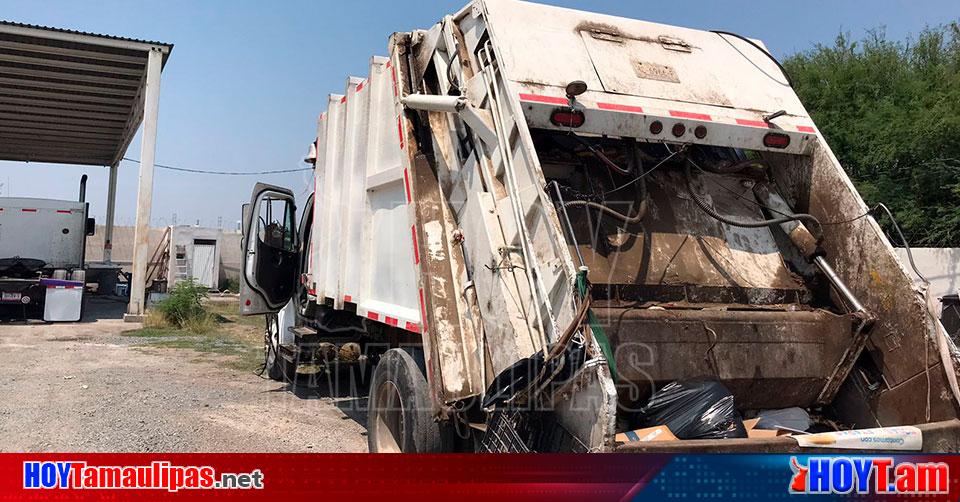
[(227, 253)]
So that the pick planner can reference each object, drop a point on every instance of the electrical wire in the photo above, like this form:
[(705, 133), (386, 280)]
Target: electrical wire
[(903, 240), (648, 171), (896, 227), (851, 220), (783, 70), (222, 173)]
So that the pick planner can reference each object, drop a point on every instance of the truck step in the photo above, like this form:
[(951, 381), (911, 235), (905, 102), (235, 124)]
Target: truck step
[(301, 331), (288, 351)]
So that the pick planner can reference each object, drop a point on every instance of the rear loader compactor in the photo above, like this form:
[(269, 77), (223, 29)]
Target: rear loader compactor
[(529, 220)]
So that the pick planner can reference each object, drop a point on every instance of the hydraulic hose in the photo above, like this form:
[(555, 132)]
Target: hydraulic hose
[(611, 165), (741, 223), (641, 211)]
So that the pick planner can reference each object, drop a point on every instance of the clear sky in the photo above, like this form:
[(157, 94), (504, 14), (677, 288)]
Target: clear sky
[(246, 80)]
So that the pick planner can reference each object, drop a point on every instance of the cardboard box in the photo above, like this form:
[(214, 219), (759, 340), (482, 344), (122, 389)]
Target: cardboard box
[(658, 433), (753, 432)]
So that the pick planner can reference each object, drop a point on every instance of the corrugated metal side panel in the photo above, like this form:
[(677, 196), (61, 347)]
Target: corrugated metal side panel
[(318, 244), (390, 282), (329, 264), (351, 190), (363, 250)]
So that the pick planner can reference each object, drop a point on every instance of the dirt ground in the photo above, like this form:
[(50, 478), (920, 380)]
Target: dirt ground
[(87, 387)]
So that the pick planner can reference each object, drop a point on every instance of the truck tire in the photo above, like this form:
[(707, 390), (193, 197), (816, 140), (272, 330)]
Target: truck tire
[(276, 366), (400, 414)]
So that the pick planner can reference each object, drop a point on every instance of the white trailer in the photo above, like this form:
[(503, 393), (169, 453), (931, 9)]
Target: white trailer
[(522, 187), (42, 243)]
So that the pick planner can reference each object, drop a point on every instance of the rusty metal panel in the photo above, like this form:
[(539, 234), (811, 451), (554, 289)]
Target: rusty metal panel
[(678, 244), (865, 260), (768, 359), (907, 403), (452, 351)]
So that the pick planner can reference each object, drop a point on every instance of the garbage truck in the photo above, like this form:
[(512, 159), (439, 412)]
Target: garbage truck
[(530, 221)]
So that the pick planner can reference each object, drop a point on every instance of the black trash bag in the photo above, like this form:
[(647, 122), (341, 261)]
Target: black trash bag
[(694, 409), (514, 379), (520, 374), (796, 419)]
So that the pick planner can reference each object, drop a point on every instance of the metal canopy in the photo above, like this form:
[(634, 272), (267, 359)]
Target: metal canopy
[(70, 97)]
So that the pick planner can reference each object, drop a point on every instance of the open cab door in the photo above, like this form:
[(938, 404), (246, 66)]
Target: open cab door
[(270, 250)]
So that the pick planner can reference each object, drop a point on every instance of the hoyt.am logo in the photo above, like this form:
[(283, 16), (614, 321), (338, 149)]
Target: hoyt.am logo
[(878, 475)]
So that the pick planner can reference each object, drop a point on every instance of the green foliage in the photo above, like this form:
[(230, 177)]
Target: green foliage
[(891, 113), (232, 285), (182, 309)]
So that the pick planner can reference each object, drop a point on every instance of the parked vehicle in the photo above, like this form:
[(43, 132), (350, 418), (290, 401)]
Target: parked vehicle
[(42, 243), (531, 218)]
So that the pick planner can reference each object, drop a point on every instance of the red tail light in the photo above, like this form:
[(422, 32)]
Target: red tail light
[(565, 117), (776, 140)]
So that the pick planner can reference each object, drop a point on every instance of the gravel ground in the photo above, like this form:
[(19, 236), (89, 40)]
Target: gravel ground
[(85, 387)]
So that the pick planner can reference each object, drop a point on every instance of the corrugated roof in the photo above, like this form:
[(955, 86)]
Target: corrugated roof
[(69, 96), (85, 33)]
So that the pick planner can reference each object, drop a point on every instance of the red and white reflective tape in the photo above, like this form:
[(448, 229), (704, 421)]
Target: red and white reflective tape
[(620, 108), (64, 211), (423, 311), (416, 249), (680, 114), (28, 210), (393, 77), (536, 98), (753, 123), (406, 184), (653, 112), (393, 321)]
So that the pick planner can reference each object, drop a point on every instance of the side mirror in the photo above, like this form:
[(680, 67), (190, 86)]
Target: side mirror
[(91, 226)]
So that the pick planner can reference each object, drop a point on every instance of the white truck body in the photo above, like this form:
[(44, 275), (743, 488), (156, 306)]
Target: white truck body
[(435, 220), (42, 244), (44, 229)]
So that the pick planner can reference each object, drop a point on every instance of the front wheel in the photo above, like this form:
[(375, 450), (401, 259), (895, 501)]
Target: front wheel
[(400, 416)]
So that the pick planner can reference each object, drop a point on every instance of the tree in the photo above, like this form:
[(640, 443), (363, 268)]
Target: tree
[(891, 112)]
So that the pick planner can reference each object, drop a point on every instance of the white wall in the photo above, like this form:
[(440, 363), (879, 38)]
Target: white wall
[(941, 266)]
